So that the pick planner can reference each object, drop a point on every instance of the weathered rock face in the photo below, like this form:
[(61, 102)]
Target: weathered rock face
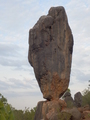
[(50, 52)]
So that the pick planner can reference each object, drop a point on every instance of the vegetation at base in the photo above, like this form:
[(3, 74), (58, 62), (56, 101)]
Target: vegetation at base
[(86, 96), (5, 109), (24, 115), (7, 112)]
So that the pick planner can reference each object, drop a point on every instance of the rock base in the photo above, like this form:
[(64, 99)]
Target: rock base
[(57, 110), (48, 110)]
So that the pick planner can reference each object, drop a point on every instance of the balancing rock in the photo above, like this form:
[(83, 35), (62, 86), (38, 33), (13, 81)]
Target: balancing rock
[(50, 52)]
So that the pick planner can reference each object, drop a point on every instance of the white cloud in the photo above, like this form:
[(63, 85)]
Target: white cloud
[(79, 16), (9, 49), (19, 87), (25, 101)]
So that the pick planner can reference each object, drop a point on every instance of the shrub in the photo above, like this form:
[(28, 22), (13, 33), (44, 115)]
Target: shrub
[(86, 97), (5, 109), (24, 115)]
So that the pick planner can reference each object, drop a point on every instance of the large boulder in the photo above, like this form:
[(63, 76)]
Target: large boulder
[(50, 52)]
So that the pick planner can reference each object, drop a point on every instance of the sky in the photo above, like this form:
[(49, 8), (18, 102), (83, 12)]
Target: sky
[(17, 80)]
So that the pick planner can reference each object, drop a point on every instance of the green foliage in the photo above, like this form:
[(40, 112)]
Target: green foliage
[(68, 90), (88, 115), (9, 113), (18, 115), (29, 115), (24, 115), (86, 96), (5, 109)]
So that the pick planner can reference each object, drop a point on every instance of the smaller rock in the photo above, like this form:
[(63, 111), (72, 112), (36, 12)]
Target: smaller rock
[(78, 99), (76, 115), (67, 94), (85, 112), (69, 100), (86, 115), (62, 103), (38, 114), (85, 108)]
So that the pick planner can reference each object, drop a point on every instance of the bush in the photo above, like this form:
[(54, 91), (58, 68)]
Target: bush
[(24, 115), (86, 97), (9, 113), (5, 109)]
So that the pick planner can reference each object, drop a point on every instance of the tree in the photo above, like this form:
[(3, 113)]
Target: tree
[(5, 109), (24, 115), (7, 112), (86, 96)]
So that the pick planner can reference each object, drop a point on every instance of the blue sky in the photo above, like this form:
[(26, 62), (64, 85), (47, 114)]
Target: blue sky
[(17, 80)]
